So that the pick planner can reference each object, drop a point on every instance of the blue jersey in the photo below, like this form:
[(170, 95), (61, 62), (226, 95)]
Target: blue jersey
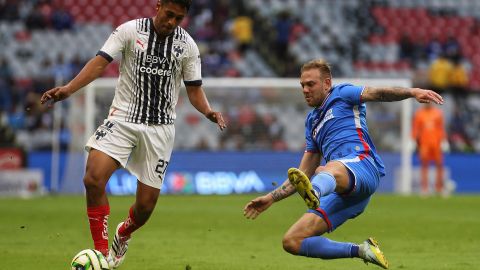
[(338, 128)]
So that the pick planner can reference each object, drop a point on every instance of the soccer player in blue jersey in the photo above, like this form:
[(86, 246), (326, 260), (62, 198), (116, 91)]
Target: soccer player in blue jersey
[(336, 129)]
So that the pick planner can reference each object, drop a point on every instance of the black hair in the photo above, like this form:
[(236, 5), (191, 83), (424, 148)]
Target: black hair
[(184, 3)]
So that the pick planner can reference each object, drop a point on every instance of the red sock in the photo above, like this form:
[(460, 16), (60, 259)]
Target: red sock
[(129, 225), (98, 218)]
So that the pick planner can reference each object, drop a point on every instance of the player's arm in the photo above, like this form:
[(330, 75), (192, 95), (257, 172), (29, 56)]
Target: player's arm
[(388, 94), (199, 100), (255, 207), (92, 70)]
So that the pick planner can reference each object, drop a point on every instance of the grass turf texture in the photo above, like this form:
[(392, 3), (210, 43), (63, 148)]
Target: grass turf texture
[(210, 232)]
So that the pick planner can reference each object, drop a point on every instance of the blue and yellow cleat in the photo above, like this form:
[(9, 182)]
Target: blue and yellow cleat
[(301, 182), (370, 253)]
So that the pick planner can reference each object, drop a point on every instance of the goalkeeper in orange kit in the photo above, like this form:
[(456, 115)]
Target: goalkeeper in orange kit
[(429, 133)]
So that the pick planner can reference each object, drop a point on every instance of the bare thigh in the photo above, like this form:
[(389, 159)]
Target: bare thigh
[(307, 226)]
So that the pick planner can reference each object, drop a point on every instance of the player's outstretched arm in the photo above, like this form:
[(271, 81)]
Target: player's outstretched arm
[(92, 70), (199, 100), (256, 206), (387, 94)]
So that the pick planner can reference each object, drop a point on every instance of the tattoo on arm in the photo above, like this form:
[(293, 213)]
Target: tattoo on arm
[(285, 190), (387, 94)]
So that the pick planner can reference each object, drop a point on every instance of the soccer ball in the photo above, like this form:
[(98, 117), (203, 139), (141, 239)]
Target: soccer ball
[(89, 259)]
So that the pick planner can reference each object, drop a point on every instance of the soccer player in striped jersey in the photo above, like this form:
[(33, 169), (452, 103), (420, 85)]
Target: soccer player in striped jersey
[(336, 129), (157, 54)]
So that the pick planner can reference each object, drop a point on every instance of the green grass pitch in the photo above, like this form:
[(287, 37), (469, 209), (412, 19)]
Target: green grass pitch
[(210, 232)]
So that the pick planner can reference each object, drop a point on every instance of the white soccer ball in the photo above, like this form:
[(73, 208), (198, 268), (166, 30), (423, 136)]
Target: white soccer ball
[(89, 259)]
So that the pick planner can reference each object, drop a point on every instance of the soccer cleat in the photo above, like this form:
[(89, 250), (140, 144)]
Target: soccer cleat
[(301, 182), (116, 254), (370, 253)]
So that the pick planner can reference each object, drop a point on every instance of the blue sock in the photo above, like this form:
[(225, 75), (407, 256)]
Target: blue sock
[(324, 248), (324, 183)]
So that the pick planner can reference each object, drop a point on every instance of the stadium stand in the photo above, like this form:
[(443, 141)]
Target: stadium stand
[(367, 39)]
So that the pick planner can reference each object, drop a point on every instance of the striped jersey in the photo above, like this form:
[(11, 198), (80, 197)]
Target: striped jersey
[(151, 71), (338, 128)]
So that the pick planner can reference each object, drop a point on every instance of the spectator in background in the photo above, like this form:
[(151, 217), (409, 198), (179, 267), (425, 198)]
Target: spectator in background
[(439, 73), (62, 19), (6, 80), (9, 10), (37, 19), (429, 133), (451, 48), (434, 48), (62, 70), (297, 30), (458, 78), (458, 137), (283, 26), (242, 32), (407, 49)]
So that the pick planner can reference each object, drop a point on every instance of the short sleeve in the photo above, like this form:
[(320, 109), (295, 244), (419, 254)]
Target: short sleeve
[(192, 71), (351, 93), (115, 43)]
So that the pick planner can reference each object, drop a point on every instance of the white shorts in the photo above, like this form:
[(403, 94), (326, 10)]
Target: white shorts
[(144, 150)]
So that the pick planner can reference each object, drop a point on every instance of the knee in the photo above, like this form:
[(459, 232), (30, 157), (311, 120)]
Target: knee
[(93, 181), (319, 169), (291, 244)]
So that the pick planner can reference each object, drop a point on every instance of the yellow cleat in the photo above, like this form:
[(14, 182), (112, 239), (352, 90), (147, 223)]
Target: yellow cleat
[(370, 253), (301, 182)]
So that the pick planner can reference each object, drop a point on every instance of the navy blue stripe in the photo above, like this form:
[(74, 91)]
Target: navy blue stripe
[(105, 55), (193, 83)]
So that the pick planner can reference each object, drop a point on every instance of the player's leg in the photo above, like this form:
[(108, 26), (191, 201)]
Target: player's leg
[(424, 164), (332, 177), (148, 162), (98, 170), (304, 237), (108, 148), (139, 213), (438, 159)]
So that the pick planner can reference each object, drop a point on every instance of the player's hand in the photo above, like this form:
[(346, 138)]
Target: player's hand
[(55, 94), (427, 96), (257, 206), (216, 117)]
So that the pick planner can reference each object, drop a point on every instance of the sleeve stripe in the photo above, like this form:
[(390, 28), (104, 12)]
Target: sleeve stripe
[(193, 83), (105, 55)]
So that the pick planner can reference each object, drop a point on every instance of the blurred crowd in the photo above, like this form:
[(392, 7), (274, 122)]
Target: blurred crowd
[(235, 40)]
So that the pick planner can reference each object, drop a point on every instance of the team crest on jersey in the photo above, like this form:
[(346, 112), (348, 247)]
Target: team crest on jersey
[(103, 130), (178, 49)]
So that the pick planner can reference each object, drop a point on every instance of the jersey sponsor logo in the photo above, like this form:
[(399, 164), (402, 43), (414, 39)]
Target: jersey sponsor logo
[(156, 59), (156, 71)]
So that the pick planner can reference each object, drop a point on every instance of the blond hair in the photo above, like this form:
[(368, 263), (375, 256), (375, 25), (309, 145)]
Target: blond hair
[(320, 64)]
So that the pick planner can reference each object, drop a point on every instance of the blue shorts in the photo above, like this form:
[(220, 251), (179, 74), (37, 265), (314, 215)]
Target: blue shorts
[(337, 208)]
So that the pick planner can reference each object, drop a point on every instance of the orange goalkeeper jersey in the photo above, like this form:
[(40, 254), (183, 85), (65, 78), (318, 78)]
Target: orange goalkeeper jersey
[(428, 126)]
